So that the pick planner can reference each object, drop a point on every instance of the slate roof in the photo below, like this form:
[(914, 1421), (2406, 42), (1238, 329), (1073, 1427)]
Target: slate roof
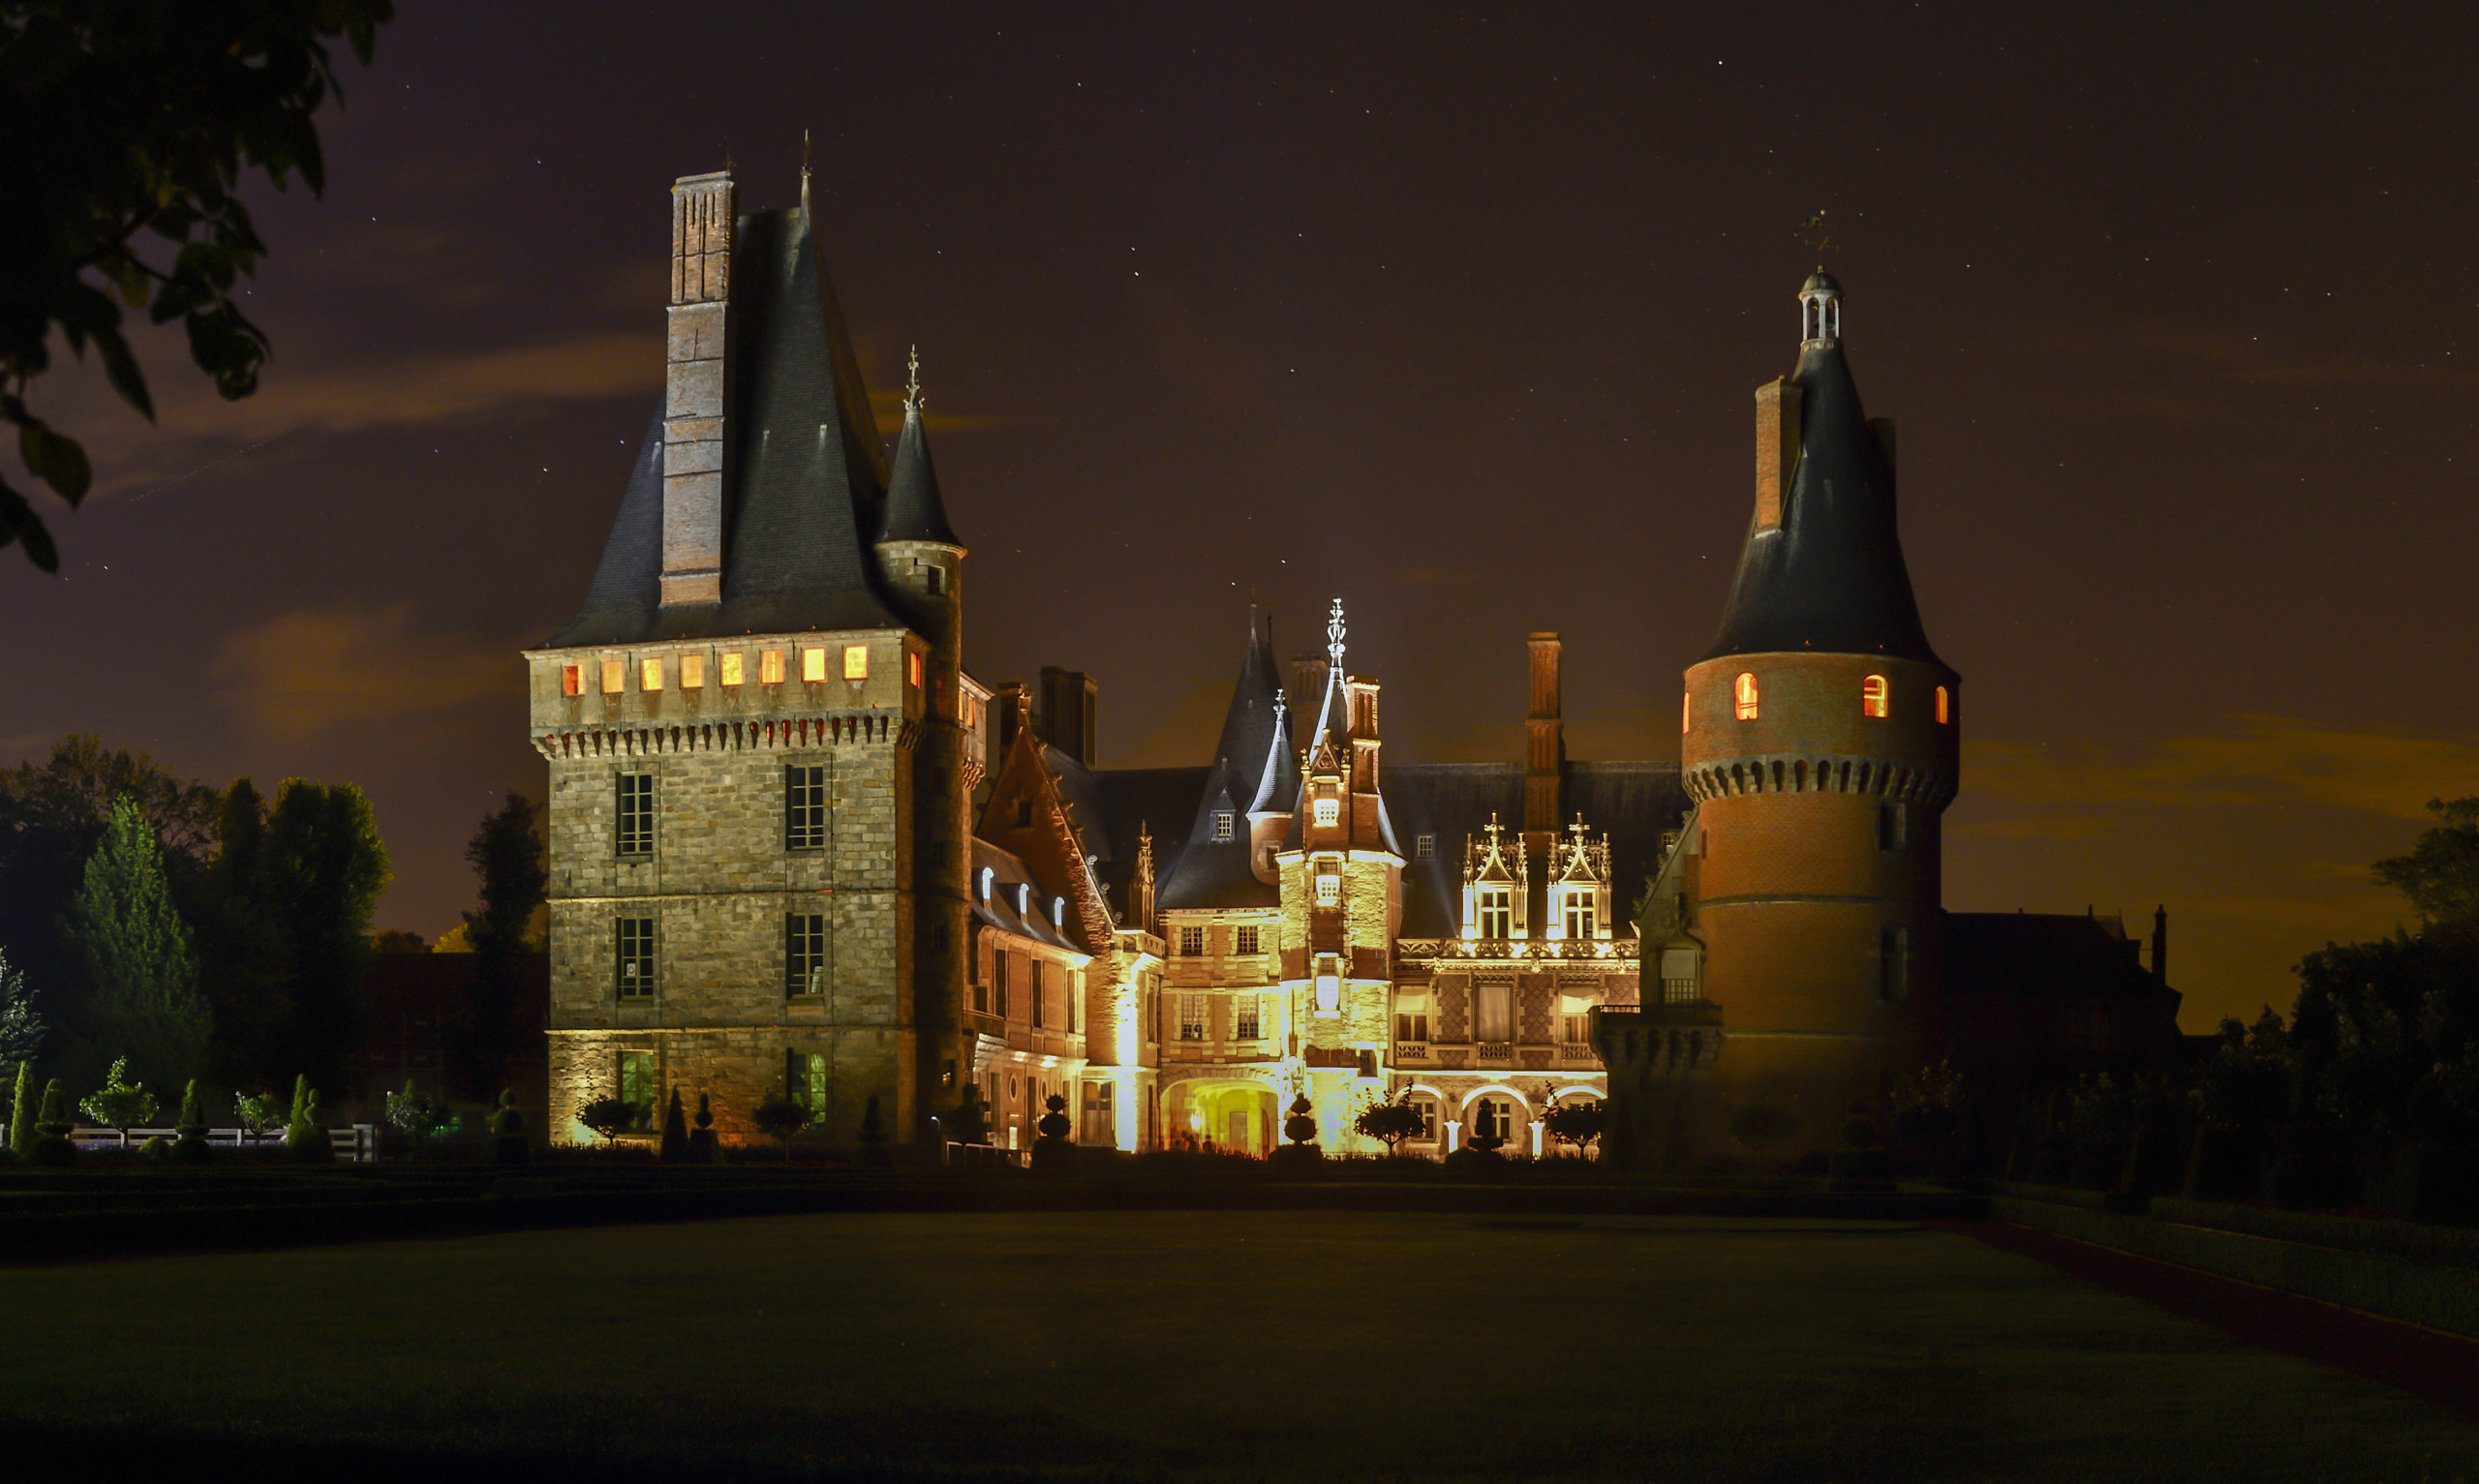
[(1830, 578), (914, 510), (805, 472), (999, 909), (1251, 752), (1633, 803), (2045, 954)]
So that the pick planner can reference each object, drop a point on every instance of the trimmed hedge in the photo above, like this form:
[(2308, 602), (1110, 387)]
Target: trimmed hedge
[(2449, 1245)]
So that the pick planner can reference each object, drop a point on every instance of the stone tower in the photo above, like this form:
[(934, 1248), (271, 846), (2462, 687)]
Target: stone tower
[(756, 798), (1820, 746)]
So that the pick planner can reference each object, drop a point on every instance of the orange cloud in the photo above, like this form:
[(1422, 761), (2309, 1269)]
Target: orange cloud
[(303, 673), (2390, 774)]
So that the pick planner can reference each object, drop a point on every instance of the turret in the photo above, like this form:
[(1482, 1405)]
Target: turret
[(1820, 744)]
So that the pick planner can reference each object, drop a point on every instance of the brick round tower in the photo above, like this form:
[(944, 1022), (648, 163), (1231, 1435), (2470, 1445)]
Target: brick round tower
[(1820, 747)]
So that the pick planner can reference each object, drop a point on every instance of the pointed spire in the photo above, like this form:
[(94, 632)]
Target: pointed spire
[(805, 172), (914, 510)]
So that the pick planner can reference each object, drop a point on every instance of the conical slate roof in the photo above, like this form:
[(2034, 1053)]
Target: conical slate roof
[(806, 475), (1830, 578), (1221, 873), (914, 511)]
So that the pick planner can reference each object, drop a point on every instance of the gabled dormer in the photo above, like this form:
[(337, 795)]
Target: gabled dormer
[(1497, 885), (1580, 887)]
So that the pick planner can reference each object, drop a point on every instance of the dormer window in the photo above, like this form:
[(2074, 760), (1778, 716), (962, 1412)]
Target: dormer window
[(1578, 913), (1058, 912), (1873, 700), (989, 875), (1329, 889), (1744, 693), (1023, 898), (1327, 812), (1944, 711), (1497, 912), (1222, 823), (1424, 847)]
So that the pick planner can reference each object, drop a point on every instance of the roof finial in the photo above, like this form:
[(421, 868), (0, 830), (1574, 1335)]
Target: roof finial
[(805, 172), (1335, 638), (1282, 708), (912, 401), (1817, 235)]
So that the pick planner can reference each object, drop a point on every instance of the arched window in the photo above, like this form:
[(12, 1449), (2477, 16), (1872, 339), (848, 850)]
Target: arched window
[(987, 875), (1058, 912), (1745, 690), (1944, 712), (1872, 695), (1686, 711)]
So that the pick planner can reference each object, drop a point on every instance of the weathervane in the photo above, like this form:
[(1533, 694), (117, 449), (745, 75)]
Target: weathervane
[(1334, 637), (912, 385), (1818, 238)]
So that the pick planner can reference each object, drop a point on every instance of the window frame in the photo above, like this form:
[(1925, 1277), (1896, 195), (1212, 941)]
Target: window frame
[(634, 958), (1495, 899), (633, 816), (1876, 697), (803, 807), (1746, 696), (804, 956), (1246, 942)]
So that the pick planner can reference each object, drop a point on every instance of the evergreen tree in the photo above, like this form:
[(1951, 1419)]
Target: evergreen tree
[(22, 1112), (50, 1144), (20, 1028), (305, 1134), (327, 869), (192, 1147), (141, 980), (508, 855)]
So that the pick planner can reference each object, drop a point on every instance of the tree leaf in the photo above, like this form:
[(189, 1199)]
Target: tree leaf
[(19, 524), (120, 367)]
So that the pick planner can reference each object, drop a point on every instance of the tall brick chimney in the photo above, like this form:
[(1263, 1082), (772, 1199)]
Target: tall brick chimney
[(694, 390), (1545, 748), (2160, 945), (1777, 448), (1066, 721)]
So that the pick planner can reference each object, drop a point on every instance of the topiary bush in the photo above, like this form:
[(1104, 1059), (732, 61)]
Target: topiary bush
[(781, 1116), (118, 1104), (305, 1134), (193, 1147), (1052, 1154), (608, 1116), (508, 1143), (50, 1144), (157, 1150), (23, 1101), (675, 1132), (703, 1149)]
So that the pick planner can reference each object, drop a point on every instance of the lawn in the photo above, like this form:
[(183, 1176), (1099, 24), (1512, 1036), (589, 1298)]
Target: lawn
[(1259, 1346)]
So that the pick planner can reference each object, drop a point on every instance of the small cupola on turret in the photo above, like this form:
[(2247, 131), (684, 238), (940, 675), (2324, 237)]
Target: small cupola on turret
[(1820, 308)]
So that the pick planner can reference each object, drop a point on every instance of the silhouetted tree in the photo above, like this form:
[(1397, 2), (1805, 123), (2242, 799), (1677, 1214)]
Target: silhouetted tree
[(328, 867), (2440, 872), (20, 1028), (127, 134), (508, 855)]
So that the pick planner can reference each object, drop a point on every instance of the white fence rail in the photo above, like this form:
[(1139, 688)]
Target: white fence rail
[(354, 1144)]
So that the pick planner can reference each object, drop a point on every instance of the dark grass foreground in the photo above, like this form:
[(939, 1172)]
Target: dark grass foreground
[(1230, 1344)]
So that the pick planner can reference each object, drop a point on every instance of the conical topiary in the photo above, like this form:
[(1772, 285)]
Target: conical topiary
[(50, 1144), (675, 1132), (508, 1145), (305, 1134), (702, 1149), (22, 1112), (192, 1147)]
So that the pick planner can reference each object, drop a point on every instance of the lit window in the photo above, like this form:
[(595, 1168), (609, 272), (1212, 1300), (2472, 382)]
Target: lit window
[(636, 957), (1222, 823), (693, 672), (805, 809), (1058, 912), (770, 668), (1327, 812), (1424, 847), (1329, 989), (1872, 695), (1942, 706), (735, 671), (805, 954), (1410, 1026), (635, 836), (1192, 1017), (615, 677), (571, 680), (1686, 709), (812, 665), (1746, 692), (1329, 889), (1191, 942), (1023, 898), (1245, 1021), (856, 661), (637, 1085), (911, 665), (1578, 1029), (987, 875), (1678, 976), (1579, 912), (1247, 941), (1497, 913), (650, 673)]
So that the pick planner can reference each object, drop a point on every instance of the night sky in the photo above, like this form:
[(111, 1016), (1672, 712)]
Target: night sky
[(1455, 314)]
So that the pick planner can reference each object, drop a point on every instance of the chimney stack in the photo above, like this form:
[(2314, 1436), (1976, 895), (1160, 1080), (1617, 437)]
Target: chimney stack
[(2160, 945), (1545, 748), (702, 211), (1777, 448), (1066, 719)]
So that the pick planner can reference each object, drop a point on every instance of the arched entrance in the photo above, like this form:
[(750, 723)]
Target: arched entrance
[(1233, 1115)]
